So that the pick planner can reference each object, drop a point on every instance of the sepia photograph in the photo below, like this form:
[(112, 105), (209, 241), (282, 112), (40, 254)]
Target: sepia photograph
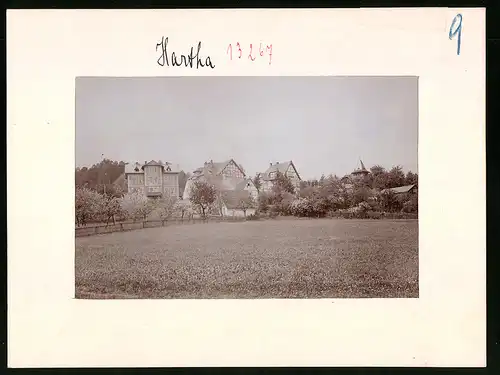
[(233, 187)]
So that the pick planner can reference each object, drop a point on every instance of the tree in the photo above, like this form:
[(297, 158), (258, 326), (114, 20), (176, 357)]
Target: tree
[(257, 182), (377, 170), (202, 195), (411, 205), (307, 191), (322, 180), (395, 177), (103, 173), (263, 202), (245, 203), (283, 184), (109, 208), (183, 177), (137, 206), (389, 202), (360, 194), (411, 178), (167, 207), (280, 203), (380, 181), (111, 191), (87, 205), (185, 209)]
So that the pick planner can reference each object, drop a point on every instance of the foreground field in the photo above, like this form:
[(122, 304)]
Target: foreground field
[(262, 259)]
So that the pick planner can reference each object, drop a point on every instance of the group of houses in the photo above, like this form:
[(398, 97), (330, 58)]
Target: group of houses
[(161, 179)]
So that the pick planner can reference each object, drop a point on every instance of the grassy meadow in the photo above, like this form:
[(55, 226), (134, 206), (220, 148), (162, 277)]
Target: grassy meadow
[(323, 258)]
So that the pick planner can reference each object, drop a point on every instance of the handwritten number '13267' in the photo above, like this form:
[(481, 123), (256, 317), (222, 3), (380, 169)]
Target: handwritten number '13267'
[(252, 55)]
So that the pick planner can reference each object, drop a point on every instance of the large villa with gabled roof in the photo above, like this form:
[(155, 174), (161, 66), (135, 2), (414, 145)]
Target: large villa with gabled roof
[(154, 179)]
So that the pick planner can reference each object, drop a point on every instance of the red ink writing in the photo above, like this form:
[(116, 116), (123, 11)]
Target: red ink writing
[(252, 55), (239, 50)]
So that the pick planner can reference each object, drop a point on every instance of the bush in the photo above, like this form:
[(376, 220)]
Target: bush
[(375, 215), (251, 217), (263, 202), (273, 212), (411, 205)]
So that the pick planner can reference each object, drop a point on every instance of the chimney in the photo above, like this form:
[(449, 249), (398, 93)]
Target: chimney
[(277, 163), (145, 162), (270, 164), (211, 161)]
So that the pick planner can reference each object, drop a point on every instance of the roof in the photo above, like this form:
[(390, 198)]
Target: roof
[(361, 169), (120, 181), (137, 167), (213, 169), (277, 167), (401, 189), (233, 198), (243, 184), (225, 184)]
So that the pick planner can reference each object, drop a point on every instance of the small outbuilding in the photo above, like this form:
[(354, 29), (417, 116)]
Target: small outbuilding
[(237, 203)]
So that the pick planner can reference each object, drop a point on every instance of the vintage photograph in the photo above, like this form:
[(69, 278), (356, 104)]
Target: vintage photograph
[(246, 187)]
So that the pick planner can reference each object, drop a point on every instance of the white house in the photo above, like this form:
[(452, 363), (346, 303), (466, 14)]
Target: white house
[(237, 203)]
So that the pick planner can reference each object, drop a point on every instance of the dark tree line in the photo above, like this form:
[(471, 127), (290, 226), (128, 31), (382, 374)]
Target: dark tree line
[(101, 176)]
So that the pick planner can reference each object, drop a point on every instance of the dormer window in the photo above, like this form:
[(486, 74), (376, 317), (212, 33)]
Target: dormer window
[(272, 175), (136, 169), (168, 169)]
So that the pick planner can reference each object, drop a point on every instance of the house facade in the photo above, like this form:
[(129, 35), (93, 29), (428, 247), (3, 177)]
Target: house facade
[(236, 203), (230, 182), (154, 179), (287, 168), (224, 176)]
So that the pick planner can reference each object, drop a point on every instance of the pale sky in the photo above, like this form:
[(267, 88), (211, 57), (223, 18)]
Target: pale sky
[(324, 124)]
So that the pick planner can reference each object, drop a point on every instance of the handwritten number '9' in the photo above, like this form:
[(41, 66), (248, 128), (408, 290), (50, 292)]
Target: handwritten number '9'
[(457, 30)]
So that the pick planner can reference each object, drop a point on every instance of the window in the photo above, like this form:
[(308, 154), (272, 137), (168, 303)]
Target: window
[(272, 175), (169, 191)]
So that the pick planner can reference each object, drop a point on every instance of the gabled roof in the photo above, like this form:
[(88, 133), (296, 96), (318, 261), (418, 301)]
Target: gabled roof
[(120, 181), (401, 189), (212, 168), (233, 198), (153, 162), (278, 167), (243, 184), (137, 167)]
